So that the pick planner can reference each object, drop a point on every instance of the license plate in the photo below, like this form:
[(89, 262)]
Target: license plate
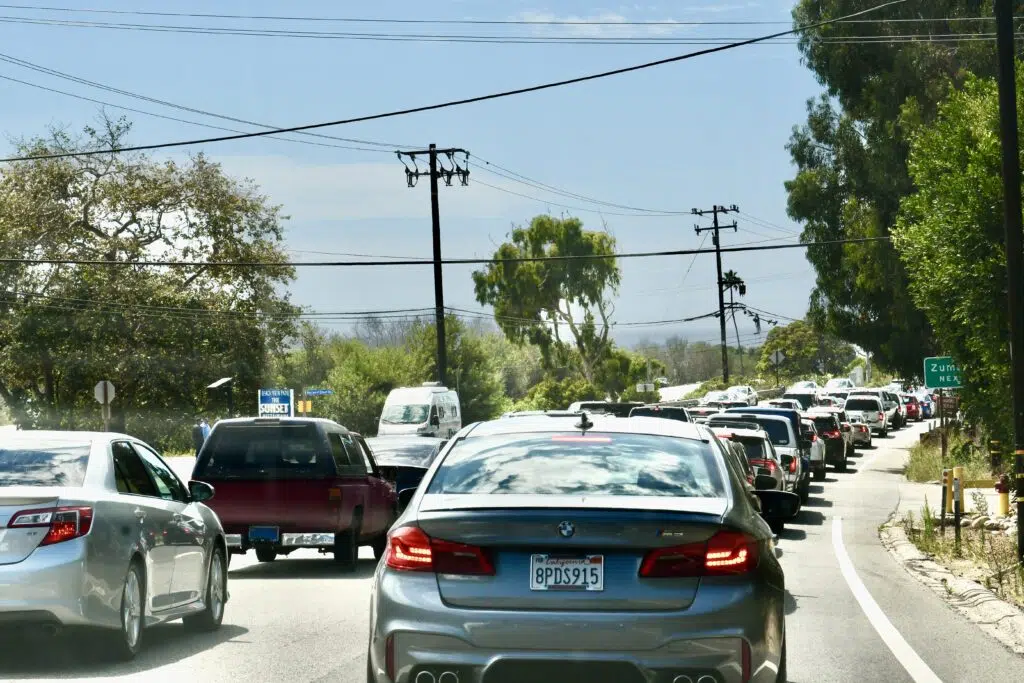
[(560, 573), (264, 534)]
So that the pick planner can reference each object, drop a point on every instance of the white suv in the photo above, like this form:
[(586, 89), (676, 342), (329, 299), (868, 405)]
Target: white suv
[(868, 409)]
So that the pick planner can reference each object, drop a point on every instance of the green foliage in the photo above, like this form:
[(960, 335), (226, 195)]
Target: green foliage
[(160, 335), (807, 352), (536, 301), (362, 379), (851, 159), (553, 394), (686, 362), (622, 370), (950, 237)]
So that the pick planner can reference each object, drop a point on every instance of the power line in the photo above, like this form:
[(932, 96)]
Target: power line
[(426, 262), (453, 103), (465, 22)]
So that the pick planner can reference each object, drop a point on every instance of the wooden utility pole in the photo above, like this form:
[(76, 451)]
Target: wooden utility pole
[(718, 262)]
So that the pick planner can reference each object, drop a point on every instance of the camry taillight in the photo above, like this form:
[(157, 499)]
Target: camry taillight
[(62, 523), (411, 549), (727, 552)]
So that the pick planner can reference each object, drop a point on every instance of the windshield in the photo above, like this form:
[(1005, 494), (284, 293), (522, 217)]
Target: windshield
[(44, 464), (396, 414), (264, 451), (825, 424), (569, 464), (756, 448), (415, 453), (778, 431)]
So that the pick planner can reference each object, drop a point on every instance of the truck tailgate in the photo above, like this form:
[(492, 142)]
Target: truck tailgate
[(294, 505)]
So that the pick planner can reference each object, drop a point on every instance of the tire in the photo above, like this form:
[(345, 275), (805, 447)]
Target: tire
[(884, 433), (266, 554), (805, 492), (777, 527), (211, 618), (380, 546), (346, 549), (841, 467), (126, 642), (819, 475)]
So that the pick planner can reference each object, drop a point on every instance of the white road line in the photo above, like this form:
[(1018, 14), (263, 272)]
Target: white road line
[(910, 660)]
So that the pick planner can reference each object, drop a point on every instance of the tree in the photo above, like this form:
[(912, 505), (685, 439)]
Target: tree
[(362, 378), (535, 301), (807, 351), (851, 161), (471, 371), (950, 237), (554, 394), (161, 335)]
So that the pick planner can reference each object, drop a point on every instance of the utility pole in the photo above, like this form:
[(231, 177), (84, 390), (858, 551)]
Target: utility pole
[(1007, 79), (718, 262), (437, 170), (733, 282)]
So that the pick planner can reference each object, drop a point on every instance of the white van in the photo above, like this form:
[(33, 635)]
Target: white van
[(428, 410)]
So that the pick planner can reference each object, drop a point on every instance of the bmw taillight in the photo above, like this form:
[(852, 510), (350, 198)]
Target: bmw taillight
[(410, 549), (726, 553), (62, 523)]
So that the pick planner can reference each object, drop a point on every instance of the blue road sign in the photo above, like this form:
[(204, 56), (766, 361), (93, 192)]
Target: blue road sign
[(319, 392), (276, 403)]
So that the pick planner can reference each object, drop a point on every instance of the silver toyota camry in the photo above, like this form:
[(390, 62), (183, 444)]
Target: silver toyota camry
[(567, 548), (96, 530)]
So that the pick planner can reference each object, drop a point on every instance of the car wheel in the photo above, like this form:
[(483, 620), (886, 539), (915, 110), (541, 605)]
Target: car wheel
[(266, 554), (211, 618), (126, 642), (777, 526), (841, 467), (805, 492), (884, 433), (819, 475), (380, 546), (346, 549)]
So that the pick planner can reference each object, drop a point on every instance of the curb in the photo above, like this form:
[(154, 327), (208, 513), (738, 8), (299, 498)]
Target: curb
[(991, 614)]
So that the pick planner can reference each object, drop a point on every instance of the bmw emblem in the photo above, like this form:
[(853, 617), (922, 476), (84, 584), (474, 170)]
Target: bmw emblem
[(566, 529)]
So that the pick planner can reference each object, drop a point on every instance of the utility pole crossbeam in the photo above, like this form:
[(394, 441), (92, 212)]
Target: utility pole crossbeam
[(718, 262), (1007, 80), (437, 170)]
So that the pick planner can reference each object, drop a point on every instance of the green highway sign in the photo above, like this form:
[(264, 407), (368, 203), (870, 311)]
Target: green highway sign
[(941, 372)]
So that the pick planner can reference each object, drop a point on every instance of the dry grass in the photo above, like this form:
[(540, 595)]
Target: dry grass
[(925, 461), (988, 557)]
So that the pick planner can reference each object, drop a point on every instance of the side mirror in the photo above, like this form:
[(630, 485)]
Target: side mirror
[(404, 497), (763, 482), (778, 505), (200, 491)]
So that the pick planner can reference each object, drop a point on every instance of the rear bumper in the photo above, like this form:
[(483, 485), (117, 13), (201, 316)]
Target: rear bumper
[(496, 646), (860, 437), (50, 586), (312, 539), (835, 451)]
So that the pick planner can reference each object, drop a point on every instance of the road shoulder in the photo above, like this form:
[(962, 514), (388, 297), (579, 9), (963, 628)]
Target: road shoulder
[(994, 616)]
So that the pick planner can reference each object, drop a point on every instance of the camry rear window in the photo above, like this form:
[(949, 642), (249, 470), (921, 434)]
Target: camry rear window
[(264, 451), (594, 464), (44, 464)]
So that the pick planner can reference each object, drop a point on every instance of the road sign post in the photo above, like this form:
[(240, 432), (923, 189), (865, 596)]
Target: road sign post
[(777, 358), (104, 393)]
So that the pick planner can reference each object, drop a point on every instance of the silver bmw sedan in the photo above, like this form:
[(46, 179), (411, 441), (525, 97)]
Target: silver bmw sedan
[(96, 530), (565, 548)]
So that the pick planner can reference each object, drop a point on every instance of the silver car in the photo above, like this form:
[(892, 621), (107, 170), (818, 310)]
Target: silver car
[(570, 548), (96, 530)]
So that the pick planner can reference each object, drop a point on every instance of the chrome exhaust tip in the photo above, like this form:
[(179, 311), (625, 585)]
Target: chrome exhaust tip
[(425, 677), (448, 677), (682, 679), (706, 679)]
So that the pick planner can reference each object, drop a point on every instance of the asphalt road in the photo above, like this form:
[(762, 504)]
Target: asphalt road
[(300, 620)]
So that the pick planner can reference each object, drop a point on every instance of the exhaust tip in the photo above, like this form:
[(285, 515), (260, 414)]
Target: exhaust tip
[(448, 677), (51, 630), (682, 679), (706, 679), (425, 677)]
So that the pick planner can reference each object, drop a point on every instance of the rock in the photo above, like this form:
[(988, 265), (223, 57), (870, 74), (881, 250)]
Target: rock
[(979, 522), (993, 525), (965, 523)]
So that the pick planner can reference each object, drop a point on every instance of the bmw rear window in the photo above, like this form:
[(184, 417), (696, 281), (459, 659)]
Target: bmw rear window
[(264, 451), (595, 464), (44, 464)]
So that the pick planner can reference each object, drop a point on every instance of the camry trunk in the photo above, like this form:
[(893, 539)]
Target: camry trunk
[(16, 544), (571, 558)]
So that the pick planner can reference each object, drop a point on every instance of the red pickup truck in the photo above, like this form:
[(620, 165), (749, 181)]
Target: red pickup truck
[(289, 483)]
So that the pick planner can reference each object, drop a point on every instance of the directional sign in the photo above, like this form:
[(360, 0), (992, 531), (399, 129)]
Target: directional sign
[(104, 392), (778, 357), (319, 392), (941, 372), (276, 403), (642, 387)]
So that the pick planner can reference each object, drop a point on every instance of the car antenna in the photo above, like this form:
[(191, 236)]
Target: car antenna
[(584, 424)]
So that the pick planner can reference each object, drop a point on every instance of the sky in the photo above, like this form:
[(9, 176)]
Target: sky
[(693, 134)]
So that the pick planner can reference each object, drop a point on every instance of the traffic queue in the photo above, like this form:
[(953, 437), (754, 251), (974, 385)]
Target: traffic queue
[(485, 534)]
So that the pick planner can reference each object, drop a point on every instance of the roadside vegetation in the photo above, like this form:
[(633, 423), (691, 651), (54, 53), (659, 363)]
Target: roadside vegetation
[(924, 463), (986, 556)]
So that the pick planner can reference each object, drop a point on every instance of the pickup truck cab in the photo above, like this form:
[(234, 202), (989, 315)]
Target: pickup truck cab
[(289, 483)]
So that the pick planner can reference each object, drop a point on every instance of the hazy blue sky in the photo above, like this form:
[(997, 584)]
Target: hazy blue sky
[(706, 131)]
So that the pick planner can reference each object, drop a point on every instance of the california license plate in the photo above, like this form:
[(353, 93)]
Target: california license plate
[(562, 573), (264, 534)]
